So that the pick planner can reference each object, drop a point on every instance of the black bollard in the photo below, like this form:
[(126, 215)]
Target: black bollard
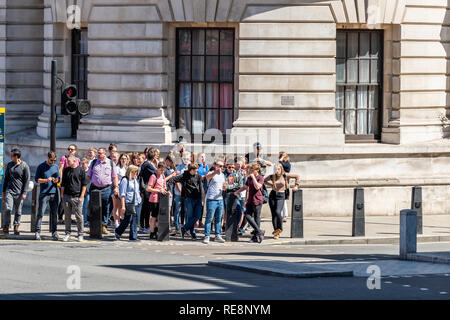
[(34, 207), (416, 204), (358, 223), (231, 225), (297, 214), (163, 218), (95, 218)]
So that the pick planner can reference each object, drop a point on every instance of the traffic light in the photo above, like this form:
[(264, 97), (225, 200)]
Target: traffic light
[(69, 100), (84, 107), (70, 105)]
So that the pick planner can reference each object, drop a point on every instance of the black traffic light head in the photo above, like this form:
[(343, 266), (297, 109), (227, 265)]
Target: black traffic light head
[(84, 107), (69, 100)]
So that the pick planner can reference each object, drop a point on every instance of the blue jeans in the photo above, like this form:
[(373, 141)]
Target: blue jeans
[(214, 208), (134, 220), (193, 213), (87, 197), (177, 203), (48, 200)]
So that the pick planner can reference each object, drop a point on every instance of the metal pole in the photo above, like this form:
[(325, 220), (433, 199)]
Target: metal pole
[(53, 108)]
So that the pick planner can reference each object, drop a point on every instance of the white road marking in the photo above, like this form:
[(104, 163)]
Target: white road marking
[(424, 289), (443, 292), (407, 286)]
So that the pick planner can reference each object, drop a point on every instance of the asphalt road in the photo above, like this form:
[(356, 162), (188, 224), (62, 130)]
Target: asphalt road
[(179, 270)]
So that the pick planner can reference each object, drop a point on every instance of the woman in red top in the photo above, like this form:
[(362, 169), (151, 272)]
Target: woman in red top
[(255, 200)]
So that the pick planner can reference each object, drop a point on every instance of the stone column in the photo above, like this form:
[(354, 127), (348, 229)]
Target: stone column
[(22, 55), (127, 75), (421, 68), (57, 45)]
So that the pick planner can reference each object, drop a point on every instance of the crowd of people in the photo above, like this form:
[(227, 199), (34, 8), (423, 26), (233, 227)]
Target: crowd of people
[(130, 184)]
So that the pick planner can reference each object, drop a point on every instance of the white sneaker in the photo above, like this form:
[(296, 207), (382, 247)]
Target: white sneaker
[(116, 225), (80, 238), (206, 240), (66, 237), (219, 239)]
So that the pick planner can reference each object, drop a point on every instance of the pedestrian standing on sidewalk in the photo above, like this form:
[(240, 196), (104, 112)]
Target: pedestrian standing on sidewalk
[(147, 170), (286, 163), (258, 157), (178, 203), (170, 168), (111, 149), (157, 185), (254, 185), (239, 166), (47, 175), (233, 182), (202, 170), (85, 165), (92, 154), (103, 176), (279, 182), (193, 194), (131, 201), (15, 184), (63, 163), (116, 202), (214, 201), (73, 189)]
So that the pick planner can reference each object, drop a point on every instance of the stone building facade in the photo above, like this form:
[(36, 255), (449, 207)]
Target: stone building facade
[(356, 91)]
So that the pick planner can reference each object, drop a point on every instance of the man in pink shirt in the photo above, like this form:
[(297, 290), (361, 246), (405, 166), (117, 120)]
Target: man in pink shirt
[(104, 178)]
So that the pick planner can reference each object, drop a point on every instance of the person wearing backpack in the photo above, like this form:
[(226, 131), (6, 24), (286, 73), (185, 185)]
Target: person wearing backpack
[(255, 200), (103, 176), (15, 184), (131, 200), (279, 182)]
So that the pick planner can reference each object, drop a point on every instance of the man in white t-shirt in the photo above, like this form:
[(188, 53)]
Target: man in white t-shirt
[(214, 201)]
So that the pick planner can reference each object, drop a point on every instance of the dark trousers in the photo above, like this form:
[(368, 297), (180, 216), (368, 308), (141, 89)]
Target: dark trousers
[(145, 212), (52, 201), (276, 204), (253, 216)]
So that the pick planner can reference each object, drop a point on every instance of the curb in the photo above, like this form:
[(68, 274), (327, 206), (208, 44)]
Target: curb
[(274, 272), (393, 240), (427, 258)]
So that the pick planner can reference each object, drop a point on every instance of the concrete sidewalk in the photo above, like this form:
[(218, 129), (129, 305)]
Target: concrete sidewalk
[(317, 230)]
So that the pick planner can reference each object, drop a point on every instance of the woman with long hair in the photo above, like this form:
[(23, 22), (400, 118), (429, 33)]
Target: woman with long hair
[(255, 200), (130, 201), (286, 163), (279, 182)]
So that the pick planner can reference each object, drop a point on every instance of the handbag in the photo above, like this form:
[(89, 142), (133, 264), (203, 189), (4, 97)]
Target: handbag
[(130, 208)]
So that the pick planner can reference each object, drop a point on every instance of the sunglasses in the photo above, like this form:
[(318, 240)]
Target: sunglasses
[(70, 149)]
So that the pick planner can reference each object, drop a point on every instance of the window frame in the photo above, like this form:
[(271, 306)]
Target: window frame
[(204, 81), (366, 138)]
